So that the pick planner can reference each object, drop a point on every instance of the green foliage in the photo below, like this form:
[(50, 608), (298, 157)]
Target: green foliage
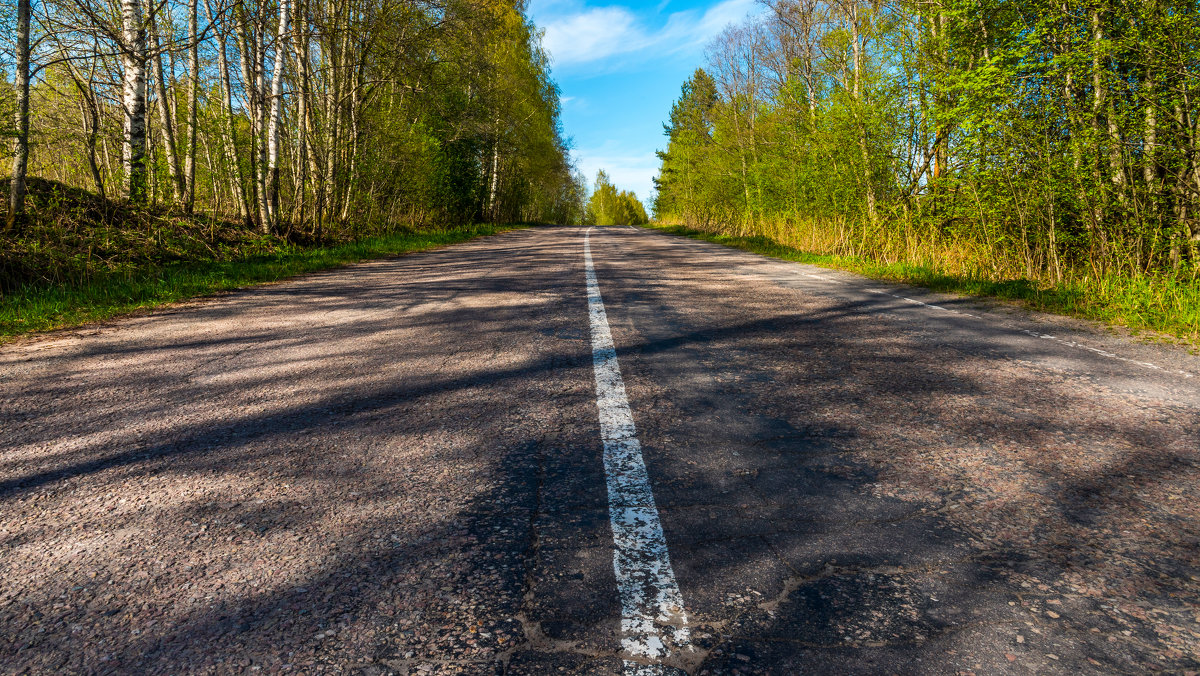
[(417, 114), (679, 185), (86, 259), (607, 206), (1042, 141), (1163, 304)]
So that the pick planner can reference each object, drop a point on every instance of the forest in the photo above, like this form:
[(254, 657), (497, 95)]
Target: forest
[(1051, 141), (610, 206), (292, 115), (1055, 144)]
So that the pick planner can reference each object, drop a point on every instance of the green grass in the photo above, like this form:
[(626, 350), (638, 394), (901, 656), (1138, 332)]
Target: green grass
[(43, 307), (1164, 305)]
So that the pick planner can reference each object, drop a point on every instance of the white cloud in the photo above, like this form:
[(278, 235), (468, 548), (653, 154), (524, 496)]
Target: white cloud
[(646, 42), (720, 15), (591, 35), (587, 36)]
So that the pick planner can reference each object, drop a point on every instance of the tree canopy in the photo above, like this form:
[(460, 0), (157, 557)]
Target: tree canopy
[(304, 114), (1030, 138), (608, 206)]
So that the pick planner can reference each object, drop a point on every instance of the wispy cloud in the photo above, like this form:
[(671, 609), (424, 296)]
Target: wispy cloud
[(591, 35), (588, 36), (716, 18)]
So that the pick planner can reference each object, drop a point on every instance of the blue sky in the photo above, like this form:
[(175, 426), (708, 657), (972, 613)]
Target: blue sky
[(620, 67)]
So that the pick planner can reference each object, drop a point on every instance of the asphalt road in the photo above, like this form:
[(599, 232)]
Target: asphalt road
[(436, 464)]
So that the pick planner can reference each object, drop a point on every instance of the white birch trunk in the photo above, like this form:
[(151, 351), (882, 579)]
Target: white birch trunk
[(272, 177), (189, 167), (494, 183), (133, 57)]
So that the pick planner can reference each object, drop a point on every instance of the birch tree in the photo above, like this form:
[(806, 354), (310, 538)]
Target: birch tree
[(326, 117), (134, 51), (1039, 137), (16, 202)]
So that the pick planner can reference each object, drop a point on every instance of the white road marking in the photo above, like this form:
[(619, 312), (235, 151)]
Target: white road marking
[(917, 302), (652, 614), (823, 278), (1042, 336), (1103, 353), (1010, 327)]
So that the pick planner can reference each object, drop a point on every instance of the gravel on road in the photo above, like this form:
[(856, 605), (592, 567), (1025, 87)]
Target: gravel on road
[(396, 468)]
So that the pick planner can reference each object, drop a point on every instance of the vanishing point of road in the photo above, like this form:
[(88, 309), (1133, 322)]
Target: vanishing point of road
[(597, 451)]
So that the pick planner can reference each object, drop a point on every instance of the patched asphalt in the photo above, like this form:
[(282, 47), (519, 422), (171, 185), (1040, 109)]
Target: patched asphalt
[(396, 468)]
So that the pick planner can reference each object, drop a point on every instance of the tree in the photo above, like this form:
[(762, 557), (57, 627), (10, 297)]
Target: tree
[(679, 186), (16, 204), (608, 206), (134, 54), (1028, 139), (333, 117)]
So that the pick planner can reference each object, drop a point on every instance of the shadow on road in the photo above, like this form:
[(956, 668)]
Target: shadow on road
[(402, 467)]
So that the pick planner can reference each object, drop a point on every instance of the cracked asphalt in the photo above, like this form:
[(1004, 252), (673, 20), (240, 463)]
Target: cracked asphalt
[(396, 467)]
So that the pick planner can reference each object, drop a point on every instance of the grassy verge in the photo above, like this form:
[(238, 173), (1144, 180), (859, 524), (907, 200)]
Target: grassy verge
[(1164, 305), (39, 307)]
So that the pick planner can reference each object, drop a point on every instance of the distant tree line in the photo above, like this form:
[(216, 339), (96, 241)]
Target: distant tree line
[(1023, 138), (309, 113), (608, 206)]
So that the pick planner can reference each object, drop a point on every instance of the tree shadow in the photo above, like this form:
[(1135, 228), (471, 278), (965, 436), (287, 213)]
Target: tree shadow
[(428, 501), (925, 491)]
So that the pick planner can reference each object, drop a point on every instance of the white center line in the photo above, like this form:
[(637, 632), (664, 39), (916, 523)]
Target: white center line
[(652, 615)]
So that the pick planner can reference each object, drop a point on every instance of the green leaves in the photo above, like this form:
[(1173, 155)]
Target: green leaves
[(607, 206), (1045, 135)]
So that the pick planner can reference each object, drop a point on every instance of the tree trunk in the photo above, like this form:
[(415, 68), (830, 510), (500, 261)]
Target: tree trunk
[(318, 144), (259, 73), (307, 159), (941, 152), (1150, 165), (494, 179), (16, 195), (1103, 108), (93, 133), (1193, 224), (189, 166), (868, 182), (272, 178), (89, 111), (1150, 142), (167, 117), (229, 142), (1099, 94), (352, 163), (333, 118), (251, 53), (133, 57)]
